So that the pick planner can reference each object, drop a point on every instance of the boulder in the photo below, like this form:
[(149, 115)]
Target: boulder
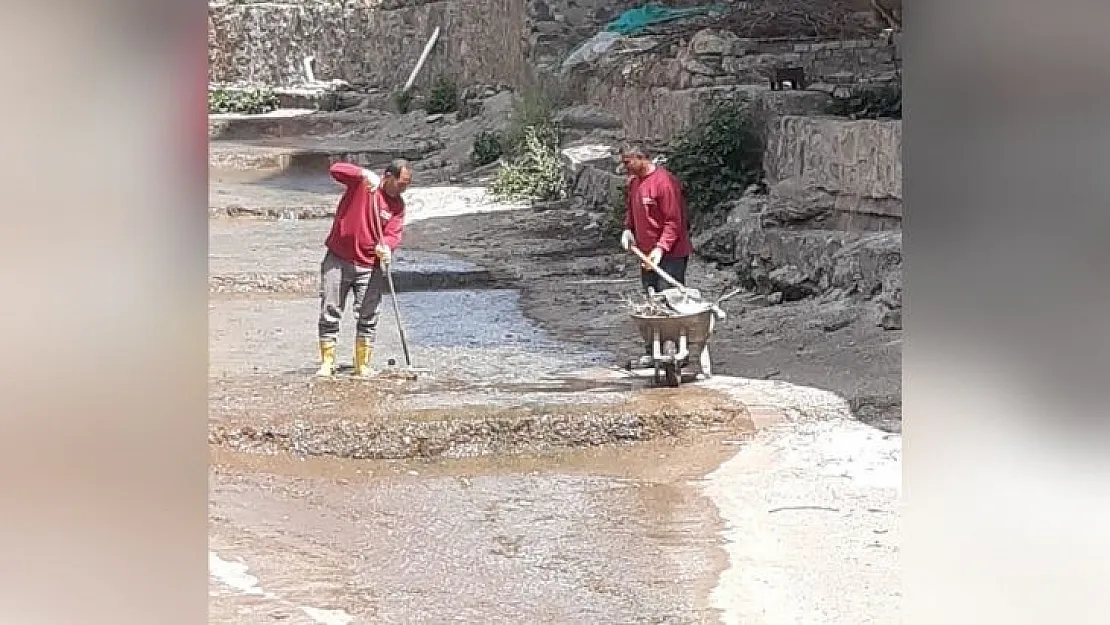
[(587, 117), (713, 41)]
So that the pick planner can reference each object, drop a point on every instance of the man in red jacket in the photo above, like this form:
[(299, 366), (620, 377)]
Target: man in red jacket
[(655, 222), (655, 218), (357, 253)]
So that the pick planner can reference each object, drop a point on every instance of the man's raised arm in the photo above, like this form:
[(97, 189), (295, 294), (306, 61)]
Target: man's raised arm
[(349, 174)]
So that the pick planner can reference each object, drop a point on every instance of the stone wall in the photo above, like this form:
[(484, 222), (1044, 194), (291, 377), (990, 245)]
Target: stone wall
[(659, 85), (852, 167), (371, 43)]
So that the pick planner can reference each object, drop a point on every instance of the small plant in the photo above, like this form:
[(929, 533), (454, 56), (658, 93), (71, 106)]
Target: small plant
[(716, 161), (249, 101), (444, 97), (487, 148), (536, 172), (403, 101), (533, 109), (869, 102)]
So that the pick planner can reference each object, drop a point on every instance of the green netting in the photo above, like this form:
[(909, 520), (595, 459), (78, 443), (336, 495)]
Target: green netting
[(635, 20)]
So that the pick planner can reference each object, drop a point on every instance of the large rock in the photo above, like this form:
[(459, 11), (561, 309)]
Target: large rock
[(807, 262), (713, 41), (822, 164), (591, 174), (587, 117)]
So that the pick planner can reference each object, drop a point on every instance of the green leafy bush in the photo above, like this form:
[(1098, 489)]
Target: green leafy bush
[(250, 101), (487, 148), (443, 98), (403, 101), (536, 172), (869, 102), (716, 161)]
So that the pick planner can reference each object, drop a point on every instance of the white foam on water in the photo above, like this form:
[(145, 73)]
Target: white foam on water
[(235, 575)]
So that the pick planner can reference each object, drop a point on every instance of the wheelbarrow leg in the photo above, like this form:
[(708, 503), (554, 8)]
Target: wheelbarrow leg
[(656, 356), (705, 363)]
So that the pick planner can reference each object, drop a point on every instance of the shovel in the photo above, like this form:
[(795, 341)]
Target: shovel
[(688, 302)]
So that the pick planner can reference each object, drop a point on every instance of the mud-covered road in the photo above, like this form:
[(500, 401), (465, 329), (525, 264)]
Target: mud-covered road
[(526, 479)]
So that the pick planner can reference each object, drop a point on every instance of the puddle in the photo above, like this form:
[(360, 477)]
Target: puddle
[(479, 336)]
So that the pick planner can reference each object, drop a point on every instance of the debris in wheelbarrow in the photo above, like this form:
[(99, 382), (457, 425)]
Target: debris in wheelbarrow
[(677, 325)]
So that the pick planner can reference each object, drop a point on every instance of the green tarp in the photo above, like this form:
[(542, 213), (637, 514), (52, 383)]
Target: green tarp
[(636, 20)]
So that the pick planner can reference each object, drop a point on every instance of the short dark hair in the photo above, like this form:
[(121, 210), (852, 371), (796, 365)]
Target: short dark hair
[(396, 166), (635, 149)]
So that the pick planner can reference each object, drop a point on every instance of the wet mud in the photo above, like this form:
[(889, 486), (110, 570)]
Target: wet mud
[(519, 480), (352, 418), (580, 536)]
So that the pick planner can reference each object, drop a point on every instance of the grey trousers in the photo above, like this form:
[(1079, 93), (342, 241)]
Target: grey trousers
[(338, 278)]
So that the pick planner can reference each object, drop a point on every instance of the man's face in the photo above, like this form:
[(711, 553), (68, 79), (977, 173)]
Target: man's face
[(635, 165), (396, 185)]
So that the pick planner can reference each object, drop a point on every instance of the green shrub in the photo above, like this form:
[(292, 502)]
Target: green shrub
[(533, 109), (403, 101), (443, 98), (250, 101), (716, 161), (536, 172), (869, 102), (487, 148)]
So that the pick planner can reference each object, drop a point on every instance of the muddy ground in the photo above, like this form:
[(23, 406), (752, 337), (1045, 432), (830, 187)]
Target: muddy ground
[(575, 279), (525, 479)]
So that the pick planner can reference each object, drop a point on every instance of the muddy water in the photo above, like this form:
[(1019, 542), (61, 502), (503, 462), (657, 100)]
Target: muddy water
[(609, 534), (589, 536)]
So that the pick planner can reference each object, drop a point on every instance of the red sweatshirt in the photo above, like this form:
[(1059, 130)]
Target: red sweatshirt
[(656, 214), (353, 232)]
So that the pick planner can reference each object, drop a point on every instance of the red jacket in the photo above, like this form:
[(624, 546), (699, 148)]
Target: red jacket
[(353, 234), (656, 214)]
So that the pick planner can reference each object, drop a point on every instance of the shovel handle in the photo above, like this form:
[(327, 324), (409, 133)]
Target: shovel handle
[(675, 283), (662, 274)]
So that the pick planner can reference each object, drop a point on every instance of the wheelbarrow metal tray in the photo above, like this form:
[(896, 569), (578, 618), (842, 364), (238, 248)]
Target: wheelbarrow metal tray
[(697, 327)]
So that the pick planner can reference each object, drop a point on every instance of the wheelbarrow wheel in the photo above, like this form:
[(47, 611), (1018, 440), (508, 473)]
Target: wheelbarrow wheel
[(672, 370)]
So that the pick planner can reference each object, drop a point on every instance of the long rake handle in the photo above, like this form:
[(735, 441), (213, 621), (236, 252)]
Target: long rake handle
[(389, 279)]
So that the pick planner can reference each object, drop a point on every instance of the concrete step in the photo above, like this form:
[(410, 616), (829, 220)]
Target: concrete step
[(287, 123), (307, 153)]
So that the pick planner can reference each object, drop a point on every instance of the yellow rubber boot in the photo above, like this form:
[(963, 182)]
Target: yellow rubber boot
[(363, 351), (327, 358)]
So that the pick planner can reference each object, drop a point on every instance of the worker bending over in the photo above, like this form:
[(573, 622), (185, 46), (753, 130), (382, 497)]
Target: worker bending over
[(367, 229)]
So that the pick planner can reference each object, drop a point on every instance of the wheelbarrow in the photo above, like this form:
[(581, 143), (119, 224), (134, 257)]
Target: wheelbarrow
[(678, 339)]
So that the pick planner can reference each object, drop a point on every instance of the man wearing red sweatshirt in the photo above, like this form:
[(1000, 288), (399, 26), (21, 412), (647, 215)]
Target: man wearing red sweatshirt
[(357, 253), (655, 218), (655, 222)]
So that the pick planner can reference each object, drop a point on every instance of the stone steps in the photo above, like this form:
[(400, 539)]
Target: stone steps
[(286, 123), (275, 155)]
